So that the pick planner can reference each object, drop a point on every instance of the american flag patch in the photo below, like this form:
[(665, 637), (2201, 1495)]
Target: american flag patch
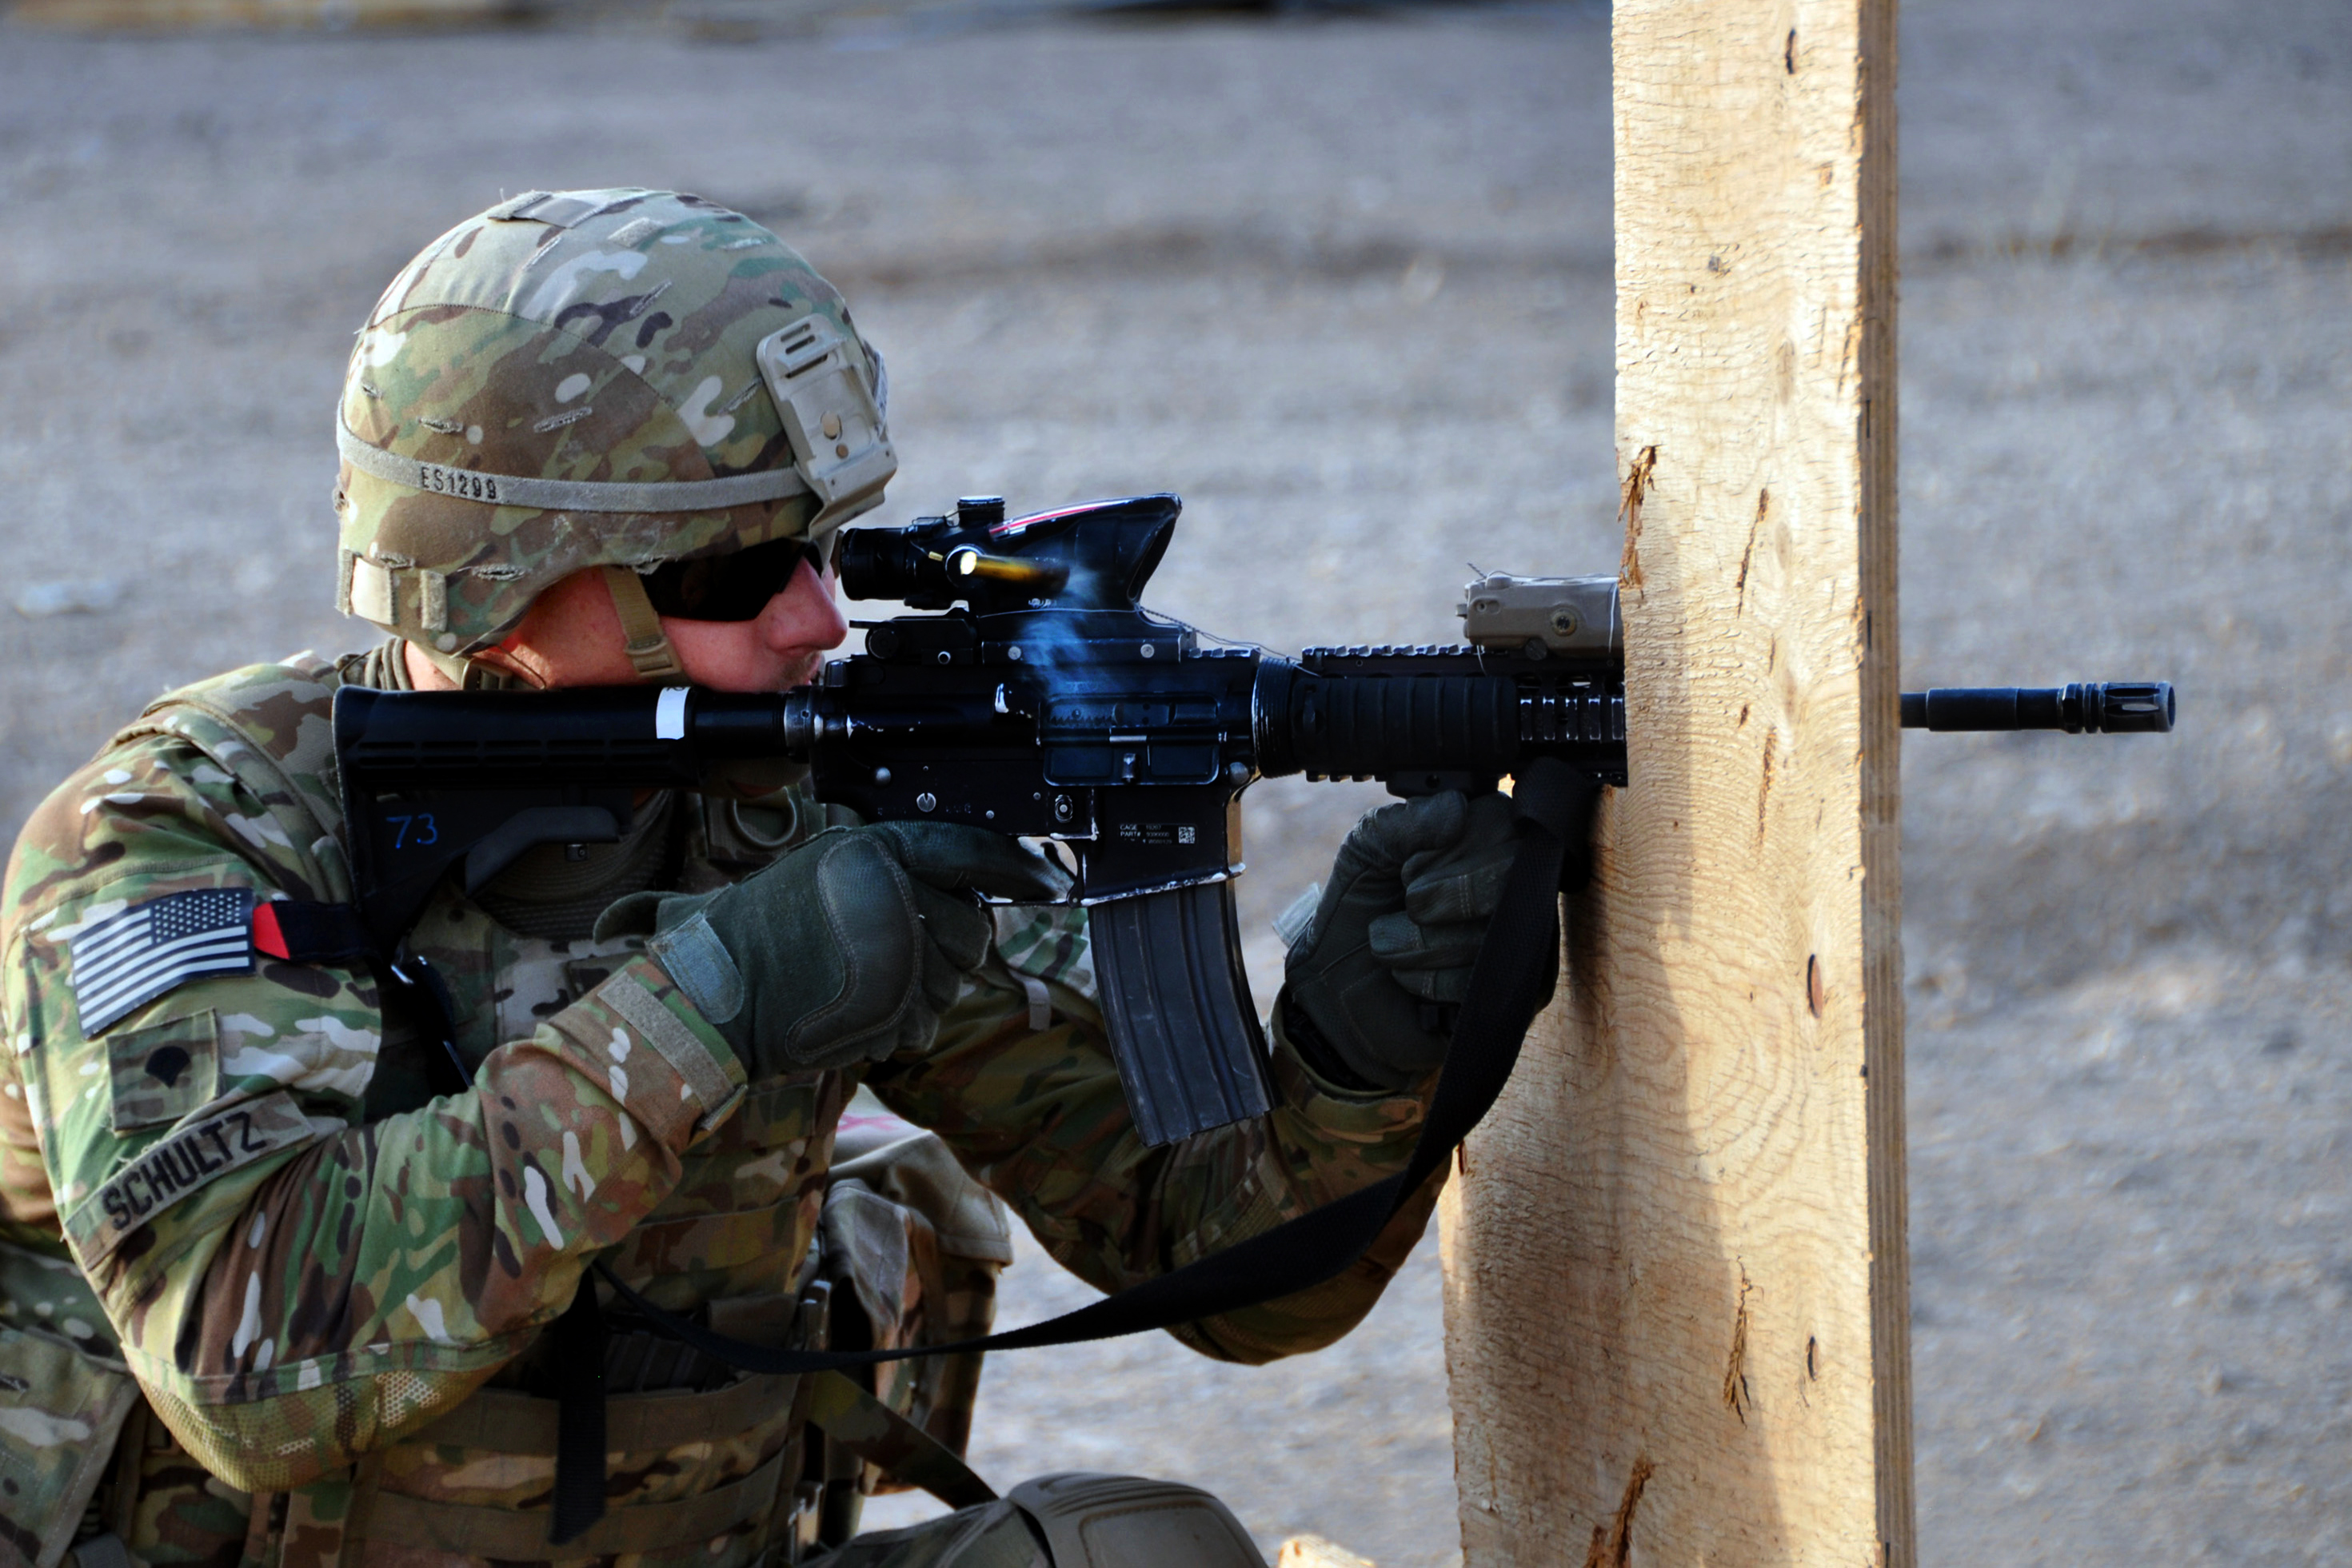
[(134, 957)]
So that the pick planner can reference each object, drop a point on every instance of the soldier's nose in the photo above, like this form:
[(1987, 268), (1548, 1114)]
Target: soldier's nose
[(806, 614)]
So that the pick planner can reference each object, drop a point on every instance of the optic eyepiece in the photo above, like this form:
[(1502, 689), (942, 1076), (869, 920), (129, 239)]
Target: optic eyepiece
[(894, 563)]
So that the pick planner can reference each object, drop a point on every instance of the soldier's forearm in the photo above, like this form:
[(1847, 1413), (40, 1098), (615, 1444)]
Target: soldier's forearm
[(1329, 1141), (1039, 1116)]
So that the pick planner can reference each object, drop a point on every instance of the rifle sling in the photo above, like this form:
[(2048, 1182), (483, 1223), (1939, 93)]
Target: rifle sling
[(578, 1352)]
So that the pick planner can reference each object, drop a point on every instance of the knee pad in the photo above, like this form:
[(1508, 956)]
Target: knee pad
[(1125, 1521)]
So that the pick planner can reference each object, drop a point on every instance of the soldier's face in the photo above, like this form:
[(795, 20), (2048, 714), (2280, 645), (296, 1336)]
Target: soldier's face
[(779, 648), (571, 637)]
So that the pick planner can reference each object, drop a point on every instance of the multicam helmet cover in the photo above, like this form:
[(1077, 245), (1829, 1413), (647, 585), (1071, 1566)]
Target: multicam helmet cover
[(583, 379)]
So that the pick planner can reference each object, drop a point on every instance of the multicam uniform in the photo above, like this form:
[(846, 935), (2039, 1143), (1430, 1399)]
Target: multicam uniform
[(329, 1287)]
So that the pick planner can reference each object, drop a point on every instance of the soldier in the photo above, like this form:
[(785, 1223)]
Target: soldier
[(278, 1292)]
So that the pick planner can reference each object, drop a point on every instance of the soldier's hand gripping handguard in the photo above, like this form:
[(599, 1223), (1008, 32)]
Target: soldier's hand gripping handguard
[(1372, 985), (849, 948)]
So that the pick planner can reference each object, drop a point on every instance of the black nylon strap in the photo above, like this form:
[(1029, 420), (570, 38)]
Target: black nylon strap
[(303, 932), (444, 1070), (1518, 967), (579, 1355), (311, 932)]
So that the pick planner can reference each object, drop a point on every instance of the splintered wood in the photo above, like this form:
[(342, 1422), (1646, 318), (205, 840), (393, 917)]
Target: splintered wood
[(1676, 1277)]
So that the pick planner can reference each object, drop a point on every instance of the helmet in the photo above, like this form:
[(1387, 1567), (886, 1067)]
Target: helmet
[(593, 378)]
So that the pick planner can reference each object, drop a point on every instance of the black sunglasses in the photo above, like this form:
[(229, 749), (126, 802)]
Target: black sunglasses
[(734, 587)]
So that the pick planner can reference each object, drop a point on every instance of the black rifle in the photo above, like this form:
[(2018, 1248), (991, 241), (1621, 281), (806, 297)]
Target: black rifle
[(1041, 699)]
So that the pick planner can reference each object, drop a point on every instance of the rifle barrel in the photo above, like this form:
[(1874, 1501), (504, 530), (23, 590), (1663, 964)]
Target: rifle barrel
[(2096, 707)]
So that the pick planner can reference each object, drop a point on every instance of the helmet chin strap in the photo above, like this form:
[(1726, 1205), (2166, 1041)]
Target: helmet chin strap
[(650, 651), (467, 673), (642, 637)]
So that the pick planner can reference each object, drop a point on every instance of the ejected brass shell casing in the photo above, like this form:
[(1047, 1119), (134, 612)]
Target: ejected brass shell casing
[(1047, 576)]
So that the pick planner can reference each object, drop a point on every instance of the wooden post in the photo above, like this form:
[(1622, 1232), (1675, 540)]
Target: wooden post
[(1677, 1288)]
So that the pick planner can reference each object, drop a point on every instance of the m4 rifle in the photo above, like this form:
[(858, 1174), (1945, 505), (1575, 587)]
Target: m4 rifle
[(1034, 694)]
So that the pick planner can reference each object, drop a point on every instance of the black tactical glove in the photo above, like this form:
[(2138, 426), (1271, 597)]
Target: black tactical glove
[(850, 947), (1371, 984)]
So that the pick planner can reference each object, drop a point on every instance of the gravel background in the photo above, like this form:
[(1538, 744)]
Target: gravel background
[(1343, 281)]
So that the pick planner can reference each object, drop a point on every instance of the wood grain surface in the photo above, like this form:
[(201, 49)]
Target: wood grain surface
[(1677, 1286)]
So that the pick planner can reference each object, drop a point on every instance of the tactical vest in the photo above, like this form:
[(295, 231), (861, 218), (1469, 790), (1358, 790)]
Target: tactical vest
[(708, 1467)]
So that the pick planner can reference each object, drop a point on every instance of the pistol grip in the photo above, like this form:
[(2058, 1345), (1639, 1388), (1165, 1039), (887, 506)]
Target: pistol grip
[(1182, 1027)]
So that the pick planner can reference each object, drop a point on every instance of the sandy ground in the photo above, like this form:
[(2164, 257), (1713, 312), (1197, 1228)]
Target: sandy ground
[(1344, 284)]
